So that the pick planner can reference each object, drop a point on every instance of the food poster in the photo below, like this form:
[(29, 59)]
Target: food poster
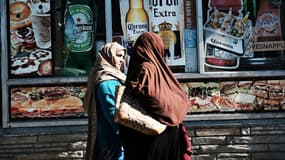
[(47, 102), (166, 18), (201, 95), (30, 38), (243, 35), (236, 96)]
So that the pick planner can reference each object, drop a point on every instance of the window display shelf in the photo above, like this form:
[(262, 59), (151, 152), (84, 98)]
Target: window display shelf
[(233, 116), (231, 75), (47, 81)]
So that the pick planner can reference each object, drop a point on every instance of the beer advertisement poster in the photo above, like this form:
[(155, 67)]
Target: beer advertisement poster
[(166, 18), (30, 38), (243, 35), (77, 57)]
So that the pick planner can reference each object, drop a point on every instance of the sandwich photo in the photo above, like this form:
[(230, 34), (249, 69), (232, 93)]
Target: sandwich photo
[(244, 101), (260, 89), (244, 86), (47, 102), (228, 87), (201, 95), (271, 105)]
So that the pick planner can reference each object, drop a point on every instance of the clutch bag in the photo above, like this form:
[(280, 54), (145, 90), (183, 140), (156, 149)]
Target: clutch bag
[(129, 112)]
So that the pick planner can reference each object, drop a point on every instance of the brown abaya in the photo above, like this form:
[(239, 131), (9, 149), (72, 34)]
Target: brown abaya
[(150, 79)]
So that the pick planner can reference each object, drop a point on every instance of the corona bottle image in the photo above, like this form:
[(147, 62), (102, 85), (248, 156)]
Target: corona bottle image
[(137, 22)]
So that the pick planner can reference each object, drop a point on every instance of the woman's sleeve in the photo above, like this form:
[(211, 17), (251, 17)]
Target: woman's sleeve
[(106, 97)]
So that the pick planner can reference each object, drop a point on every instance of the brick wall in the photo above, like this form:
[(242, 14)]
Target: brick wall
[(49, 143), (211, 140), (257, 141)]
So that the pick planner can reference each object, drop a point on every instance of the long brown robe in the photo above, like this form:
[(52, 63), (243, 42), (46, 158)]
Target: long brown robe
[(153, 82)]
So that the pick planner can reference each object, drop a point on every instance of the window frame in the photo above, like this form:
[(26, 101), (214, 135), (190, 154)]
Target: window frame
[(201, 75)]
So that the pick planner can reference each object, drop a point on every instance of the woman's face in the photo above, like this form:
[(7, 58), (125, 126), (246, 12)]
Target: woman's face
[(119, 58)]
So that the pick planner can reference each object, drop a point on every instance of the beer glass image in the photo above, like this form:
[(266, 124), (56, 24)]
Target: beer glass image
[(166, 19), (41, 24)]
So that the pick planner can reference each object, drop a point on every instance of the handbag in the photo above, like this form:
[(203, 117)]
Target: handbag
[(130, 113)]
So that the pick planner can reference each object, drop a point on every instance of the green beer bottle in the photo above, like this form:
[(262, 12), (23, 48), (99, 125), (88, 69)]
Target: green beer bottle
[(79, 37)]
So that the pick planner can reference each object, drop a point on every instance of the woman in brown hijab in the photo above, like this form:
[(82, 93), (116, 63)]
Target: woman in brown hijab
[(103, 133), (150, 79)]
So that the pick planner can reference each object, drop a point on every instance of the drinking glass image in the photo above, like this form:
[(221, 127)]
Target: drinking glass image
[(42, 30), (41, 24)]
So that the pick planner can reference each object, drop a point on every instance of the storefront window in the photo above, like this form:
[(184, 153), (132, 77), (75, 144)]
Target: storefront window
[(243, 35), (50, 51), (52, 45), (33, 33)]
